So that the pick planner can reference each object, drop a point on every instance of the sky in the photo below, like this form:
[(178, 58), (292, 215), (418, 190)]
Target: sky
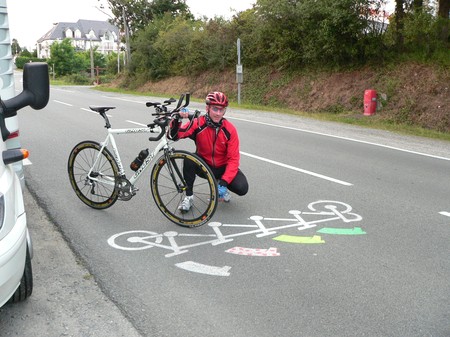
[(31, 19)]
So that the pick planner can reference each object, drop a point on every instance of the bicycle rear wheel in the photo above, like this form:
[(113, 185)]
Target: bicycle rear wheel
[(169, 189), (97, 190)]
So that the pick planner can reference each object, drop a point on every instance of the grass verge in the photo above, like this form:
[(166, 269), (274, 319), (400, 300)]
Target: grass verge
[(353, 118)]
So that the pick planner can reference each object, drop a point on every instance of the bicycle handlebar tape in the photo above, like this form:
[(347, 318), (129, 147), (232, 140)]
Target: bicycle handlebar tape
[(158, 137)]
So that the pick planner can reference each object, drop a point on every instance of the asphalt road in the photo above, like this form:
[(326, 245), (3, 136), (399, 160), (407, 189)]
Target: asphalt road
[(344, 231), (66, 300)]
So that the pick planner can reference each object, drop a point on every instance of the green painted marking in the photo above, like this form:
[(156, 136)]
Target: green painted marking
[(299, 239), (342, 231)]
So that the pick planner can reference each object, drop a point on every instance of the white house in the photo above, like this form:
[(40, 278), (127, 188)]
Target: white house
[(84, 34)]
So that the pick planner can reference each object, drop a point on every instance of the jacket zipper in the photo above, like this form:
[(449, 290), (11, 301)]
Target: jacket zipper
[(214, 147)]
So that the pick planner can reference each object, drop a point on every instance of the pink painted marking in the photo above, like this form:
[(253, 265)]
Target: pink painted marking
[(272, 251)]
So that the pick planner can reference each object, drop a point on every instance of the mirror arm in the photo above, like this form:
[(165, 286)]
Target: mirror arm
[(12, 105)]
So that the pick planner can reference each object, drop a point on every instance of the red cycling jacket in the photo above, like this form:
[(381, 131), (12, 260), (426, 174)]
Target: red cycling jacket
[(217, 146)]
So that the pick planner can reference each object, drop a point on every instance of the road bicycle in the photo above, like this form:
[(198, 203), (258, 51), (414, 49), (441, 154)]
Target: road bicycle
[(98, 178)]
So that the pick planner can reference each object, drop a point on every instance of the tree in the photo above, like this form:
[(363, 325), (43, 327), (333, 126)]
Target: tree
[(443, 16), (15, 47), (399, 17), (135, 15), (132, 16), (64, 58), (444, 9), (25, 53), (147, 63), (417, 6), (296, 33)]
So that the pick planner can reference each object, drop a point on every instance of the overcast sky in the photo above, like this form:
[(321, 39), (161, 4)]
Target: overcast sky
[(31, 19)]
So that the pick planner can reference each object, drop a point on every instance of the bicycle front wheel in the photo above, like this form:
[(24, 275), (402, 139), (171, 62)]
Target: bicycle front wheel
[(169, 186), (96, 190)]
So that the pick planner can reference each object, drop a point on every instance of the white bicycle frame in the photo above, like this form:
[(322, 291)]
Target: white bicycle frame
[(163, 144)]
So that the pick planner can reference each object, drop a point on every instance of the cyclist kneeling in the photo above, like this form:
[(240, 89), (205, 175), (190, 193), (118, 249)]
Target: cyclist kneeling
[(217, 143)]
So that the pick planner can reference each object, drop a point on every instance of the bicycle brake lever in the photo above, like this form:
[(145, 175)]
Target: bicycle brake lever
[(180, 101), (188, 98)]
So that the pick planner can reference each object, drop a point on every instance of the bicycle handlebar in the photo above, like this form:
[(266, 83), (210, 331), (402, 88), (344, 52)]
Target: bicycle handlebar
[(166, 116), (161, 134), (161, 108)]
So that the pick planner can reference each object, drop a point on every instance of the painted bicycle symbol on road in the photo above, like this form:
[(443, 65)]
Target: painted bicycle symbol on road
[(320, 212)]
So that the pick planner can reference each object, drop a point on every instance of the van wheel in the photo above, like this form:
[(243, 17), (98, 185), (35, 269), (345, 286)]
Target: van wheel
[(26, 283)]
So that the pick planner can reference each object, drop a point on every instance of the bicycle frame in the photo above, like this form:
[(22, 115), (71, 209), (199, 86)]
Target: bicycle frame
[(163, 144), (97, 173)]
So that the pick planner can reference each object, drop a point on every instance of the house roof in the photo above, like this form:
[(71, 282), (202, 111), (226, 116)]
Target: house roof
[(85, 26)]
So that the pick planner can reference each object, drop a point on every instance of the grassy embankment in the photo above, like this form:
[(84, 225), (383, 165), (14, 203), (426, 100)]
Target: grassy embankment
[(410, 95)]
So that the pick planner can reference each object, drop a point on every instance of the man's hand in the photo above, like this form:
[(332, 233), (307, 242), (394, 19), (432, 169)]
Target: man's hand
[(184, 113), (222, 191), (222, 188)]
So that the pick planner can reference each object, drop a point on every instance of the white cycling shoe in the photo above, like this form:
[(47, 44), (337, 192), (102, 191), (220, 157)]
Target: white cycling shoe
[(186, 204)]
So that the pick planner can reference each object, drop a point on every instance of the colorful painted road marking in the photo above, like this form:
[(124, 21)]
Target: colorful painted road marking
[(342, 231), (272, 251), (318, 214), (300, 239)]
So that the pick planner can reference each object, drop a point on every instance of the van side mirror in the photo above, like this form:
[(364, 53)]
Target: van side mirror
[(36, 92), (36, 80), (36, 89)]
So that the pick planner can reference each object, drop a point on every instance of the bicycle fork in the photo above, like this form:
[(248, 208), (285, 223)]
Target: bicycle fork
[(172, 166)]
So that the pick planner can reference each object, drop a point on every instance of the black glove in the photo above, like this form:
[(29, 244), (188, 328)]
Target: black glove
[(222, 183)]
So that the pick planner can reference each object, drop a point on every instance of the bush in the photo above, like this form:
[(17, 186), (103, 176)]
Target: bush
[(21, 60), (79, 79)]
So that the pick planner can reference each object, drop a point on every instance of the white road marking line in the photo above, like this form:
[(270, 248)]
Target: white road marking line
[(344, 138), (59, 89), (62, 102), (321, 176), (445, 213), (124, 99), (96, 113), (171, 240), (140, 124), (282, 165), (204, 269)]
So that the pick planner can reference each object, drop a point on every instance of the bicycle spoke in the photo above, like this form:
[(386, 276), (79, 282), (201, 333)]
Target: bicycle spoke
[(98, 190), (169, 195)]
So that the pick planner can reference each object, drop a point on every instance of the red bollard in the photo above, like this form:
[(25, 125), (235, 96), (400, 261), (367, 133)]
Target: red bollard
[(370, 102)]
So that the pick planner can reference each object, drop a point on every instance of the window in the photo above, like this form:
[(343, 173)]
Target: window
[(91, 35)]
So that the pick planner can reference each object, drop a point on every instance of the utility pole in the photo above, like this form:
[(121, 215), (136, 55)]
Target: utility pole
[(239, 70), (127, 36), (92, 53), (92, 61), (101, 9)]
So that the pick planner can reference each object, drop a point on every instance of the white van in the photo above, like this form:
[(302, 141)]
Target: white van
[(16, 251)]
